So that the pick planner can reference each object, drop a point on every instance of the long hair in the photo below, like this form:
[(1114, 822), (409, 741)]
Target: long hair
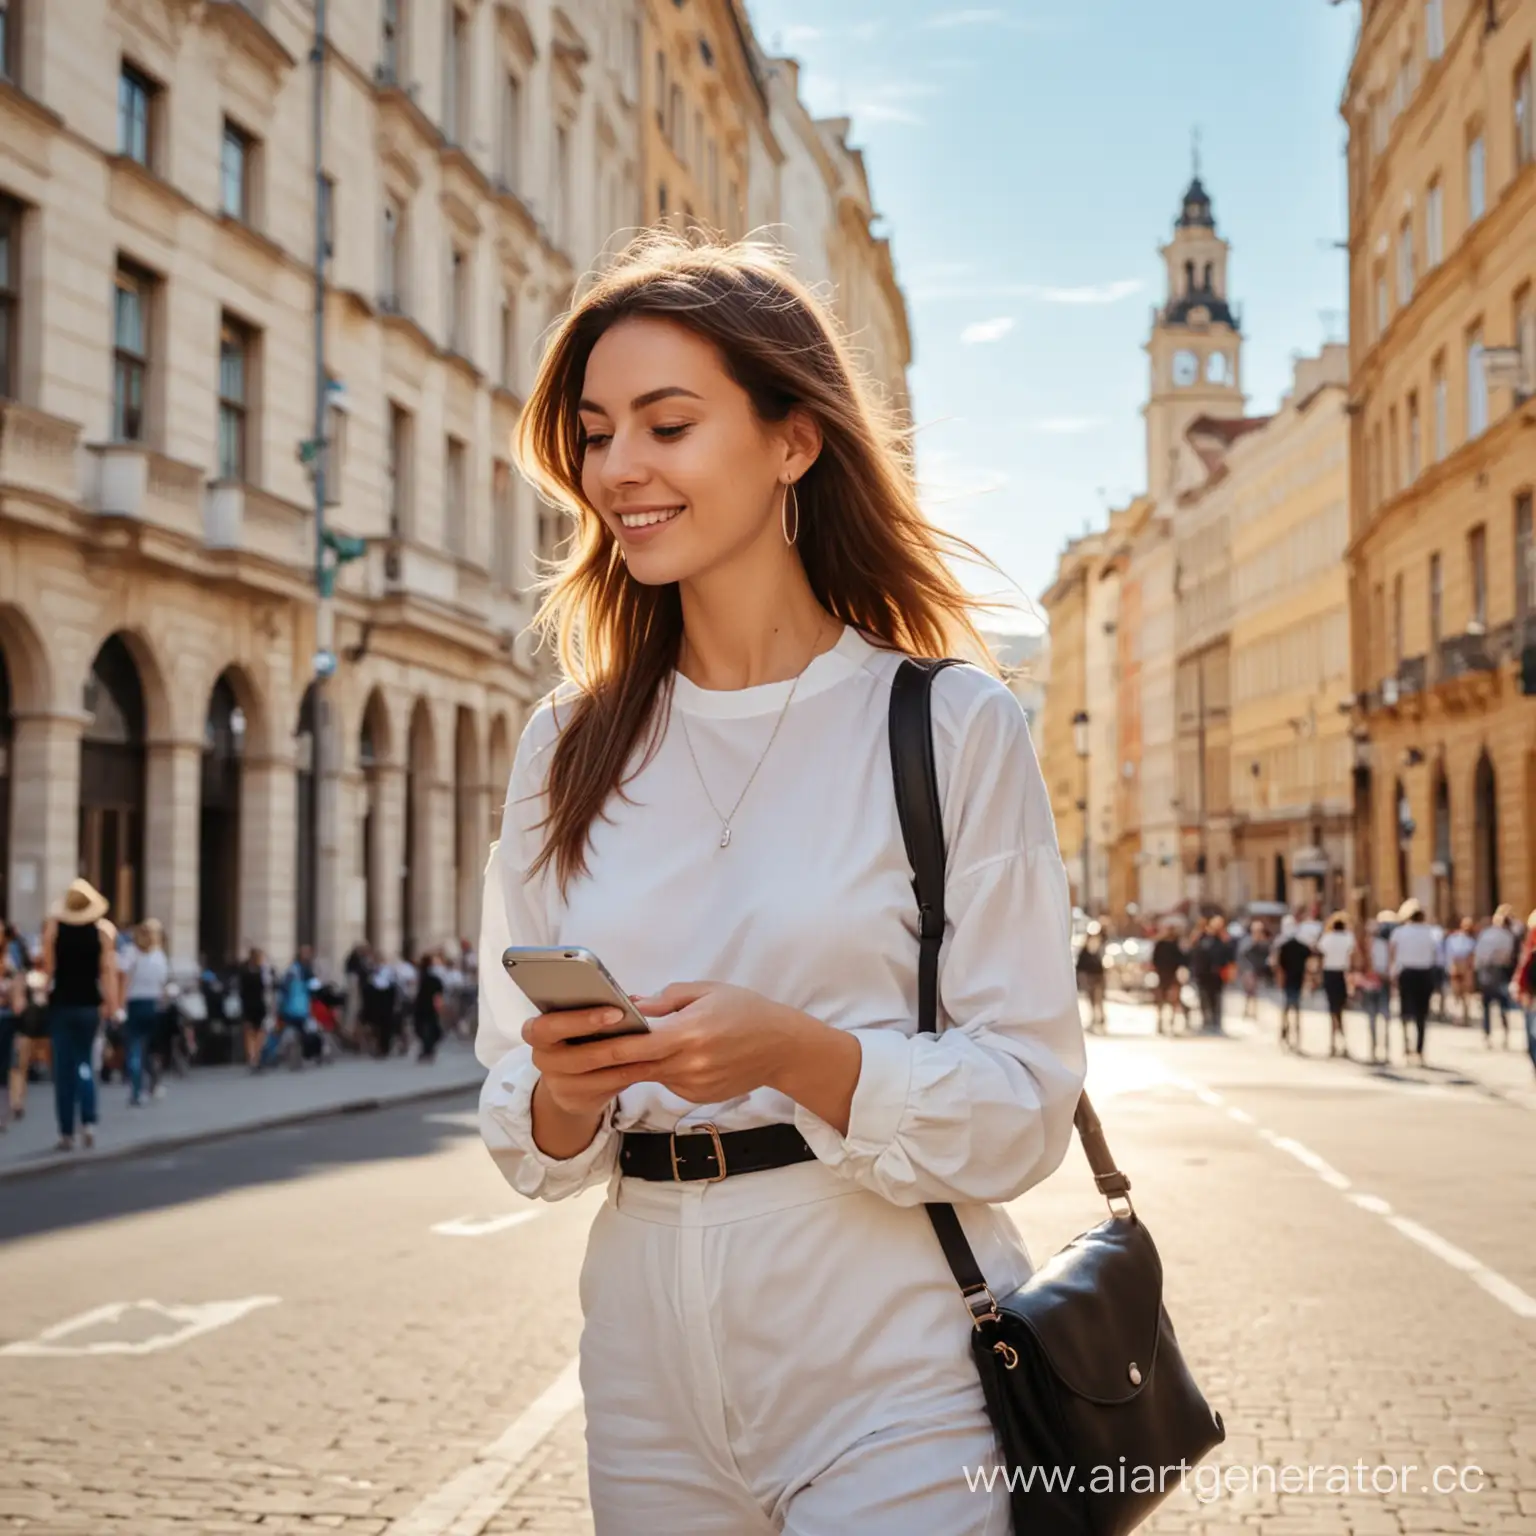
[(873, 559)]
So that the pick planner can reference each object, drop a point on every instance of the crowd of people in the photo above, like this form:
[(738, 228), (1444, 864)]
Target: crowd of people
[(84, 1003), (1433, 972)]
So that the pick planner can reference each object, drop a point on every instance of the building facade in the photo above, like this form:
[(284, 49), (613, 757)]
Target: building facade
[(1292, 752), (1442, 171)]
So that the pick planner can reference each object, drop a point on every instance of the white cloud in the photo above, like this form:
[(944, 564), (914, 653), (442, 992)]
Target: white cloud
[(972, 18), (1064, 426), (1088, 293), (887, 101), (987, 330), (1039, 293)]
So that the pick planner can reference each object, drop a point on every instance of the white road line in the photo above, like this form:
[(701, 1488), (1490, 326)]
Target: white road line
[(192, 1318), (483, 1226), (1502, 1289), (468, 1501)]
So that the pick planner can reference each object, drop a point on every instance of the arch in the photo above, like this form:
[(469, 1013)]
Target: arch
[(1189, 277), (1208, 279), (1485, 837), (112, 778), (25, 658), (159, 718), (420, 757), (375, 732), (305, 811), (500, 769), (226, 735)]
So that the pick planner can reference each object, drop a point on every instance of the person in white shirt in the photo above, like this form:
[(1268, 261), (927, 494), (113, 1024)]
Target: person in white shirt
[(145, 972), (1459, 969), (708, 806), (1493, 960), (1339, 952), (1415, 961)]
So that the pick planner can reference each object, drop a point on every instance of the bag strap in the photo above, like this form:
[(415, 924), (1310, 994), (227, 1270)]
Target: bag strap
[(922, 829)]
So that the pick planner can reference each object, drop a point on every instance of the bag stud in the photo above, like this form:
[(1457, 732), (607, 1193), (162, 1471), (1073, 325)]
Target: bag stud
[(1135, 1374)]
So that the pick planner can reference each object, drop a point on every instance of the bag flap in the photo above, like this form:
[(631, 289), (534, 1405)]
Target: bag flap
[(1095, 1311)]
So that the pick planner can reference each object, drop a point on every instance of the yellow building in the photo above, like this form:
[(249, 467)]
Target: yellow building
[(1066, 605), (1292, 795), (704, 104), (1442, 172)]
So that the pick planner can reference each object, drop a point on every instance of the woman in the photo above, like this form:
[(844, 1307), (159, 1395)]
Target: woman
[(1493, 962), (708, 806), (1167, 966), (146, 972), (1208, 962), (1090, 975), (79, 949), (427, 1006), (1253, 965), (1415, 960), (13, 1004), (1339, 954), (254, 983)]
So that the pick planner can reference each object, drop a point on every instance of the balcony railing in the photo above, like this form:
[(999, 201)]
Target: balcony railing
[(1465, 655), (1412, 676)]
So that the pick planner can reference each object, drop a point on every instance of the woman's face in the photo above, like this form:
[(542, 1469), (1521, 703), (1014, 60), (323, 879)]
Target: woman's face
[(677, 462)]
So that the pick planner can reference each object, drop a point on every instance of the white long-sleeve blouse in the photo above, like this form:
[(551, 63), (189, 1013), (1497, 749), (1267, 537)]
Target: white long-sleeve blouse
[(812, 905)]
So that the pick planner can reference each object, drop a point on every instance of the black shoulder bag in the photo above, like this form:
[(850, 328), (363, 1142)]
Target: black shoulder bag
[(1080, 1367)]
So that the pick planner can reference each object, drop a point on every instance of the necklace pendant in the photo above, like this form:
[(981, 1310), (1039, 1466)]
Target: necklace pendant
[(725, 838)]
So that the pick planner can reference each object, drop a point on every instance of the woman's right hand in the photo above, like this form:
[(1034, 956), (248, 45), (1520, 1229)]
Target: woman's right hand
[(581, 1080)]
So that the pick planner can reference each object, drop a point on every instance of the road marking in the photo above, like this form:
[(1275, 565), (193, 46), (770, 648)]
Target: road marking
[(1502, 1289), (467, 1119), (191, 1318), (483, 1226), (469, 1500)]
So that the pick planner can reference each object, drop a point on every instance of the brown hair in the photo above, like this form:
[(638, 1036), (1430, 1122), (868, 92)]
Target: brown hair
[(873, 559)]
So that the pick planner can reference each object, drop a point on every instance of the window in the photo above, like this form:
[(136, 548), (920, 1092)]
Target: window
[(456, 77), (234, 172), (392, 299), (136, 95), (1415, 447), (696, 154), (328, 215), (1434, 28), (234, 398), (675, 123), (1442, 414), (1383, 304), (511, 132), (1477, 386), (504, 533), (455, 495), (1525, 111), (1436, 601), (458, 301), (1434, 225), (1477, 166), (1525, 553), (1477, 575), (10, 294), (9, 11), (130, 351), (1523, 332), (1378, 486), (550, 534), (714, 180), (561, 191), (1394, 462), (399, 471), (1380, 641), (1405, 262), (661, 199), (508, 370), (1397, 623), (661, 90), (392, 62)]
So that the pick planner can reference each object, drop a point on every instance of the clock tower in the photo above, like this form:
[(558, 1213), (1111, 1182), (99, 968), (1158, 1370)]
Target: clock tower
[(1195, 349)]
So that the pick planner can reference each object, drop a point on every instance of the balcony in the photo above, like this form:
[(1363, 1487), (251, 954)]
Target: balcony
[(241, 517), (1412, 676), (38, 453), (130, 480), (1465, 656)]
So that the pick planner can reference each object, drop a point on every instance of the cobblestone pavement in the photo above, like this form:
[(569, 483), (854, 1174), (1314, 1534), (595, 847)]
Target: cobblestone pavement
[(406, 1381)]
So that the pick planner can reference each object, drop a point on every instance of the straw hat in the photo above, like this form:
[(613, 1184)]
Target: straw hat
[(82, 904)]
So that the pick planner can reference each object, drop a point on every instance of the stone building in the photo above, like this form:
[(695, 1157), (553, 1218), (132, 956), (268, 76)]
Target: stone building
[(1442, 175), (157, 238), (1292, 755)]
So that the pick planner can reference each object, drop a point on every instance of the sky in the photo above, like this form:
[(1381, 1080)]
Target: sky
[(1027, 160)]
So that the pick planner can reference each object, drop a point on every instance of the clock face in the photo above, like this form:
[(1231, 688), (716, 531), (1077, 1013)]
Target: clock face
[(1186, 368), (1217, 369)]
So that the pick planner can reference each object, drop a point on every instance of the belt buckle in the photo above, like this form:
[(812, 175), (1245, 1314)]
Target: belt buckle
[(714, 1135)]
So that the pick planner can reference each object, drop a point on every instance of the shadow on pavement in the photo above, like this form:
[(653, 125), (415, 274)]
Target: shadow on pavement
[(82, 1194)]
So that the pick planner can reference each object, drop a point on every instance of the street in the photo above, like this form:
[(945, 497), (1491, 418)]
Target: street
[(354, 1325)]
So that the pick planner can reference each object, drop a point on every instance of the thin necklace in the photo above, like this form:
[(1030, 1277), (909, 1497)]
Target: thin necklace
[(725, 821)]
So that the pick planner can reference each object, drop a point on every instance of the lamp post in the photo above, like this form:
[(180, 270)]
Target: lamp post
[(1080, 743)]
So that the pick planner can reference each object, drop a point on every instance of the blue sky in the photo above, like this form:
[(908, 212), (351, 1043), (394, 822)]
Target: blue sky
[(1028, 159)]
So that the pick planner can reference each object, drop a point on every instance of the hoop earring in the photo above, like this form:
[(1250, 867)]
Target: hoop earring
[(789, 491)]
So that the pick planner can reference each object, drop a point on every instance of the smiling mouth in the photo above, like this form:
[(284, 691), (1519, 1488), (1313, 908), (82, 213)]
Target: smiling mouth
[(648, 519)]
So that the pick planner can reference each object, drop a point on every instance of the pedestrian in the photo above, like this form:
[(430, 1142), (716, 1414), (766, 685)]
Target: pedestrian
[(711, 812), (293, 1016), (1460, 971), (469, 996), (254, 984), (427, 1007), (79, 960), (13, 1005), (381, 1007), (1414, 962), (1253, 966), (1291, 961), (1437, 978), (1167, 965), (1209, 963), (31, 1019), (1525, 984), (1339, 954), (1494, 962), (1376, 984), (1090, 975), (145, 973)]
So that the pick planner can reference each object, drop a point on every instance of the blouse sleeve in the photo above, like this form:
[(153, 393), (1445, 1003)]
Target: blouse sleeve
[(983, 1110), (513, 911)]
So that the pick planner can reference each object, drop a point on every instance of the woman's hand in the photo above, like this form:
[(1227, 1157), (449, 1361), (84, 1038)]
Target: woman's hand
[(720, 1042), (582, 1079)]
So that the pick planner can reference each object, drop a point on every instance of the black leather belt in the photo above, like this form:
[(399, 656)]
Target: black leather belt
[(705, 1152)]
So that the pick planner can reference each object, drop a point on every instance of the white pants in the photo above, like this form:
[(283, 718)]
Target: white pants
[(783, 1351)]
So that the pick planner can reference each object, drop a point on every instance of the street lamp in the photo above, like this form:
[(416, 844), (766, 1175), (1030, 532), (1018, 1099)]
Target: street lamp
[(1080, 743)]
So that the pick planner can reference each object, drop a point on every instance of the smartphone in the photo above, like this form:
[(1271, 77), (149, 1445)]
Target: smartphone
[(558, 980)]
